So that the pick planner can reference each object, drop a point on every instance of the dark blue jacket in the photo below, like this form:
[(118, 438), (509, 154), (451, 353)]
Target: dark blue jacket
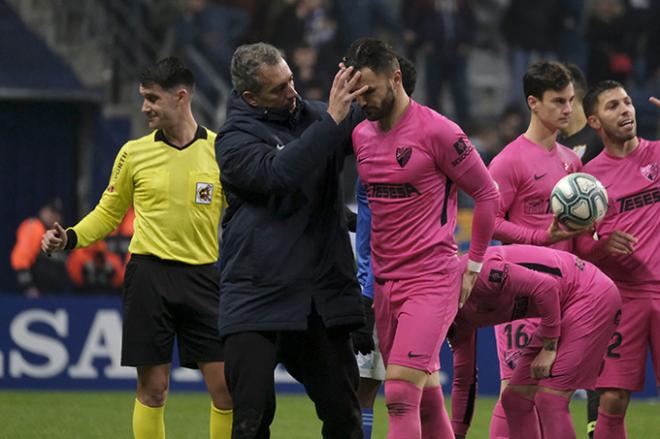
[(285, 244)]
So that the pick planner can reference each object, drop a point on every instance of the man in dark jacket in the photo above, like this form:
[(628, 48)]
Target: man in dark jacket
[(288, 286)]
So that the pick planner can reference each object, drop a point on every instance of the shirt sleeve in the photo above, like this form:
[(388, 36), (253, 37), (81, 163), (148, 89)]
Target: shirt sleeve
[(478, 184), (464, 387), (457, 158), (112, 207), (507, 182), (543, 289), (588, 248), (365, 274)]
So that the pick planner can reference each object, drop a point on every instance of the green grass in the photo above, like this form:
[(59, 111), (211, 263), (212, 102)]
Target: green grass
[(73, 415)]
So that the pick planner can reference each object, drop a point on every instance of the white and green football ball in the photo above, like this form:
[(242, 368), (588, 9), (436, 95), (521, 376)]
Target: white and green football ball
[(578, 200)]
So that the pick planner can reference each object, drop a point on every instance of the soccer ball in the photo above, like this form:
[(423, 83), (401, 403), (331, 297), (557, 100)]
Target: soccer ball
[(578, 200)]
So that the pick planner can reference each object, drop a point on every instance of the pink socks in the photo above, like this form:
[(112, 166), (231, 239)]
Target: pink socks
[(520, 416), (435, 421), (555, 417), (610, 426), (498, 427)]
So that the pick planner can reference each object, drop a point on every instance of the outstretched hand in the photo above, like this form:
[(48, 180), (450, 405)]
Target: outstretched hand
[(620, 243), (655, 101)]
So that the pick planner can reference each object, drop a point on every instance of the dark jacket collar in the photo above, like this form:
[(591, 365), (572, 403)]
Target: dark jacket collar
[(238, 109)]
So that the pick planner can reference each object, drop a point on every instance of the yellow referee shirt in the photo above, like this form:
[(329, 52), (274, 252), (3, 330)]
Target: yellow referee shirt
[(176, 194)]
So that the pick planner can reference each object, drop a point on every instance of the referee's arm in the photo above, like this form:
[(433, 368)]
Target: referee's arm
[(110, 210)]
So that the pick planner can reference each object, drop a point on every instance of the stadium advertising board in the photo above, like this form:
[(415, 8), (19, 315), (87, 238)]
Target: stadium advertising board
[(75, 343)]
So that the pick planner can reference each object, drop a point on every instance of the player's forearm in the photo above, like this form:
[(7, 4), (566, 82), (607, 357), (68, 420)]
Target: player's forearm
[(589, 248), (478, 184), (483, 226), (511, 233)]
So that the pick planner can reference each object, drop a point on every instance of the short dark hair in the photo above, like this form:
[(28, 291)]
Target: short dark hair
[(168, 73), (578, 79), (246, 63), (408, 74), (372, 53), (543, 76), (591, 98)]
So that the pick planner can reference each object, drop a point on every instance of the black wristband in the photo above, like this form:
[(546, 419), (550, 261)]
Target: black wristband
[(71, 239)]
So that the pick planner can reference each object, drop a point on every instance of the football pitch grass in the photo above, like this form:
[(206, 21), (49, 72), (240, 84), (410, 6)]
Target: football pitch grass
[(88, 415)]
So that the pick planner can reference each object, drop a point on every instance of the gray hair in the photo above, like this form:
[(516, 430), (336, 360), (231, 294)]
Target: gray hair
[(246, 62)]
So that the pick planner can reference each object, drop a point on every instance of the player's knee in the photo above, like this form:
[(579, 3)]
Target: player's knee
[(401, 397), (222, 399), (515, 402), (153, 395), (548, 404), (220, 395), (614, 401)]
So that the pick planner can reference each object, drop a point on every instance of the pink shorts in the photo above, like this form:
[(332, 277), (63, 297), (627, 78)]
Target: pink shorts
[(511, 338), (587, 324), (413, 316), (625, 360)]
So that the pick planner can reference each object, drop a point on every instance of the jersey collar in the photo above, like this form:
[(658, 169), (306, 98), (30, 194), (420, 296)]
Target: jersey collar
[(199, 134)]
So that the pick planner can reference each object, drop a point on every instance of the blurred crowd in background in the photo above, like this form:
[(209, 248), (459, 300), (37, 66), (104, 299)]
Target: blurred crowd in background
[(470, 57), (467, 52)]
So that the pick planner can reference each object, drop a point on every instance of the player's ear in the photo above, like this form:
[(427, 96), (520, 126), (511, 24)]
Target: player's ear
[(182, 94), (396, 77), (594, 122), (532, 102)]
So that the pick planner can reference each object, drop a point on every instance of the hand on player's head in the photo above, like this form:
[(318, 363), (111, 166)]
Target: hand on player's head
[(343, 92)]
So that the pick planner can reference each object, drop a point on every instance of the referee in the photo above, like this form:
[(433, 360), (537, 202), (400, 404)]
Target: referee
[(171, 285)]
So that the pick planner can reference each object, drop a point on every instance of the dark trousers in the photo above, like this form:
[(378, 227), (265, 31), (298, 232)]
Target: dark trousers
[(321, 359)]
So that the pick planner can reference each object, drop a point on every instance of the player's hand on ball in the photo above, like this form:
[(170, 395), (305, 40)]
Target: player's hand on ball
[(620, 243), (54, 240), (467, 283), (556, 233), (544, 360)]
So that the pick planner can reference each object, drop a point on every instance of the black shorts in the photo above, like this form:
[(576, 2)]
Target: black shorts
[(162, 299)]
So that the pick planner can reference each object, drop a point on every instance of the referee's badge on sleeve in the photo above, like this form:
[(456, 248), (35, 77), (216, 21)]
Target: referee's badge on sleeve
[(204, 193)]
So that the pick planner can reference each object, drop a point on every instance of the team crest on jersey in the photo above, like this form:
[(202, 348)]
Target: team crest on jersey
[(650, 171), (580, 150), (496, 276), (204, 193), (403, 154)]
